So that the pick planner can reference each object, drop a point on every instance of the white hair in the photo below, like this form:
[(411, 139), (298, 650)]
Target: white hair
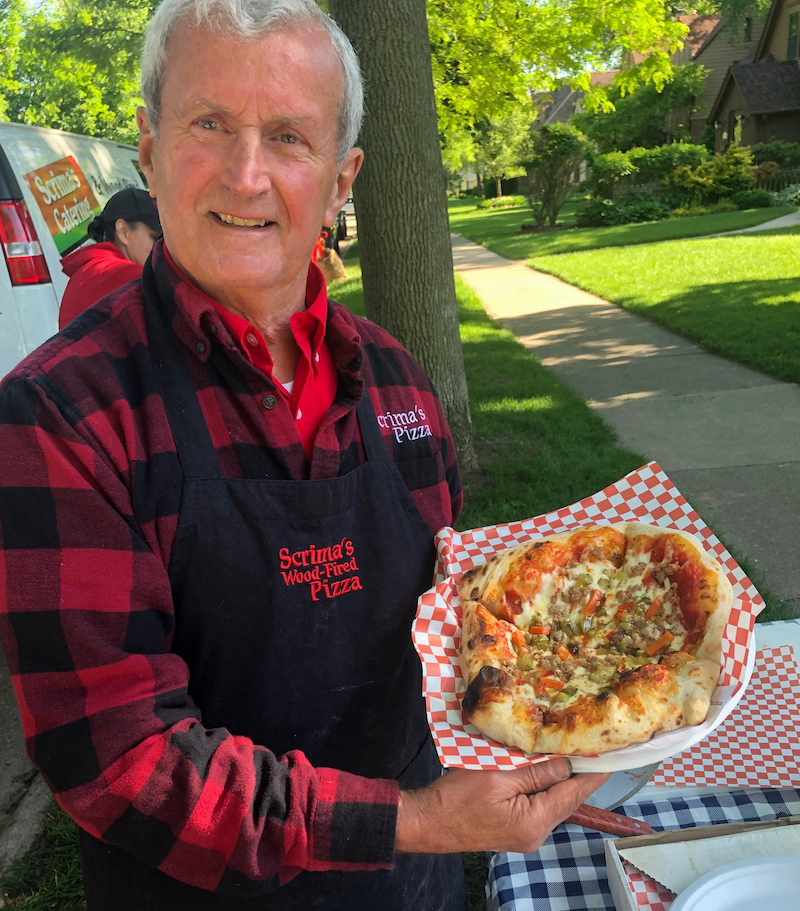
[(250, 19)]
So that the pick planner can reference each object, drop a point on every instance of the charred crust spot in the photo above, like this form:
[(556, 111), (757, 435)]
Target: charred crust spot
[(471, 643), (488, 678), (486, 639), (538, 544), (603, 697), (474, 593)]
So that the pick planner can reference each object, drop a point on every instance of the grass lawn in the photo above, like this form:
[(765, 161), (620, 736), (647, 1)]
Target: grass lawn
[(498, 229), (738, 296), (540, 448)]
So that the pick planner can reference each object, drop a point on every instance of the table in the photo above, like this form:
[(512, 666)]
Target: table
[(568, 873)]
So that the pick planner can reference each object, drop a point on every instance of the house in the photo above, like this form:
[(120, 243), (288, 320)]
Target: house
[(558, 106), (719, 50), (759, 99)]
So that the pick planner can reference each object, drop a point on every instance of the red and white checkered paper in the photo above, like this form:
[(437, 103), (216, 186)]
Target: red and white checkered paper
[(648, 894), (758, 744), (645, 495)]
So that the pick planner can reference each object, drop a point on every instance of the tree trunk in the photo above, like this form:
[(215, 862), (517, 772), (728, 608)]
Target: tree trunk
[(499, 185), (401, 202)]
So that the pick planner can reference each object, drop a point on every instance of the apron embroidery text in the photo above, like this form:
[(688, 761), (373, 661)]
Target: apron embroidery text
[(324, 569)]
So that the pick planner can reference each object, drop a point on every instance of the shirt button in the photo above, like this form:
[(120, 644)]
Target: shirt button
[(251, 340), (201, 347), (269, 401), (316, 358), (211, 328), (299, 414)]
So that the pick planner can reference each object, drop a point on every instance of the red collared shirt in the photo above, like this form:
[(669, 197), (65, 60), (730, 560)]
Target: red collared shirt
[(314, 385), (90, 494)]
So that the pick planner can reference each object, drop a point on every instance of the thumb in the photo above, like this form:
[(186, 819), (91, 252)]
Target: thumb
[(540, 776)]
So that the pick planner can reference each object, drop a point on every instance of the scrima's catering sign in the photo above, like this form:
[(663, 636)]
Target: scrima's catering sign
[(65, 199)]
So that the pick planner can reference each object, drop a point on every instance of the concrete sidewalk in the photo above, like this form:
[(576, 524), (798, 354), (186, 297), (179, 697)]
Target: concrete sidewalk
[(792, 220), (728, 436)]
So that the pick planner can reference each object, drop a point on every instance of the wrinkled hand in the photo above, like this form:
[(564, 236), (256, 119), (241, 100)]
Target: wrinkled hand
[(491, 811)]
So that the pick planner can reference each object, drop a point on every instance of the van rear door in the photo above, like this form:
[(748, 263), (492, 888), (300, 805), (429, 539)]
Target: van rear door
[(28, 302)]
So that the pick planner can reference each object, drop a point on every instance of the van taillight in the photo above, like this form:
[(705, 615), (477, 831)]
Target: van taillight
[(26, 262)]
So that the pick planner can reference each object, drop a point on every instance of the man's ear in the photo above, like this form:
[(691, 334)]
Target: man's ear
[(344, 181), (146, 142)]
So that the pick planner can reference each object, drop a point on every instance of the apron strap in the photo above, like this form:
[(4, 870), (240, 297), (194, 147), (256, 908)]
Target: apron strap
[(196, 451), (370, 431)]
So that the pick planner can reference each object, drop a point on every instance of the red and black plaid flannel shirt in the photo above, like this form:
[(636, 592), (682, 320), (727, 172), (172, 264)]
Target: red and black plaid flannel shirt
[(89, 498)]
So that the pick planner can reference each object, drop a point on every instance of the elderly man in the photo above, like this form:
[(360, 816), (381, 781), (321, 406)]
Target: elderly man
[(212, 548)]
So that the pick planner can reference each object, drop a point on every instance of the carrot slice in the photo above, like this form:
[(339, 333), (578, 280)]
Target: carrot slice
[(519, 639), (540, 630), (593, 603), (563, 653), (547, 683), (654, 608), (662, 642)]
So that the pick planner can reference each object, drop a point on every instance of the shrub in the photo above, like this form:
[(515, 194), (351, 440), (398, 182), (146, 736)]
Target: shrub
[(501, 202), (642, 205), (636, 206), (785, 154), (719, 177), (717, 208), (766, 169), (554, 154), (788, 196), (659, 164), (607, 171), (752, 199), (598, 213)]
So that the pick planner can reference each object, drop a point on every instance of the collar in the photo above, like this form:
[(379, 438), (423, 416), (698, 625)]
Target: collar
[(207, 316)]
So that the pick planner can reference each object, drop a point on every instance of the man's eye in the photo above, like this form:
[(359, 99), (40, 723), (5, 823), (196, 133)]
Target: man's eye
[(288, 138), (208, 124)]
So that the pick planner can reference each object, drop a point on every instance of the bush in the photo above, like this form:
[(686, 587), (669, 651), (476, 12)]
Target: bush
[(788, 196), (633, 207), (598, 213), (752, 199), (766, 170), (719, 177), (501, 202), (659, 164), (717, 208), (785, 154), (607, 171), (642, 205)]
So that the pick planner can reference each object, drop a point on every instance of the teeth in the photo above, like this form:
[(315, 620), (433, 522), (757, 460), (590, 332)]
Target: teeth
[(242, 222)]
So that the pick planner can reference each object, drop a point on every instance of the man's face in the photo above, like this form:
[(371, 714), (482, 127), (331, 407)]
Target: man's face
[(248, 132)]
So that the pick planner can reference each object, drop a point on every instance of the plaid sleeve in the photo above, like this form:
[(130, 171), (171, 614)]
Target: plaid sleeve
[(86, 620)]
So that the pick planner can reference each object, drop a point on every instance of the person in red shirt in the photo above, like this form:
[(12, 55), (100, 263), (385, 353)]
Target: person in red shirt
[(124, 234)]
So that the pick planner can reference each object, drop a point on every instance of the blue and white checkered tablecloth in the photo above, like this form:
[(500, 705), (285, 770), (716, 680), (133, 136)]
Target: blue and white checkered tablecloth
[(568, 873)]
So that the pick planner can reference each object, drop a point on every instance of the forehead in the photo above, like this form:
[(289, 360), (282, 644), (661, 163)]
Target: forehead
[(290, 72)]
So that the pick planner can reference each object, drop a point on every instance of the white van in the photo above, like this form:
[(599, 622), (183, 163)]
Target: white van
[(52, 184)]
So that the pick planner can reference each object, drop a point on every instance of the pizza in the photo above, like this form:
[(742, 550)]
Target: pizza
[(592, 639)]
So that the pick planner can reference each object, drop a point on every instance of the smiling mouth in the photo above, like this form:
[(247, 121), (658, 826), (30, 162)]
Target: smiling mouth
[(242, 222)]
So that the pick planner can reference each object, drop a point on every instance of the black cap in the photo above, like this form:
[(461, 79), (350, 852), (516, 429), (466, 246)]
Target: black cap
[(132, 204)]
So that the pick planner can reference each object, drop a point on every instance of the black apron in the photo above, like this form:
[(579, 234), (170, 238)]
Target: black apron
[(293, 605)]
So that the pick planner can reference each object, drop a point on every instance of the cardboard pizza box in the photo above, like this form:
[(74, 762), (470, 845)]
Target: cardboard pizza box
[(669, 862)]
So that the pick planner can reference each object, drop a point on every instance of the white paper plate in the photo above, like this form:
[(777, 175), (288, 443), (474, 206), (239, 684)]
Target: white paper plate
[(771, 883)]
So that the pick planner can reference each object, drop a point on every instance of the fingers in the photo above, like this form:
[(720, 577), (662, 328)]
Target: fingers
[(562, 799), (543, 775)]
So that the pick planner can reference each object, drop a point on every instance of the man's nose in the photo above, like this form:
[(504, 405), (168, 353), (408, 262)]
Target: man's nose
[(247, 166)]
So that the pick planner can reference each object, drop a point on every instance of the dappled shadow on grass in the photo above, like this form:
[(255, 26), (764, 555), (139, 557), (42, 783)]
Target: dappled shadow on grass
[(754, 322)]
